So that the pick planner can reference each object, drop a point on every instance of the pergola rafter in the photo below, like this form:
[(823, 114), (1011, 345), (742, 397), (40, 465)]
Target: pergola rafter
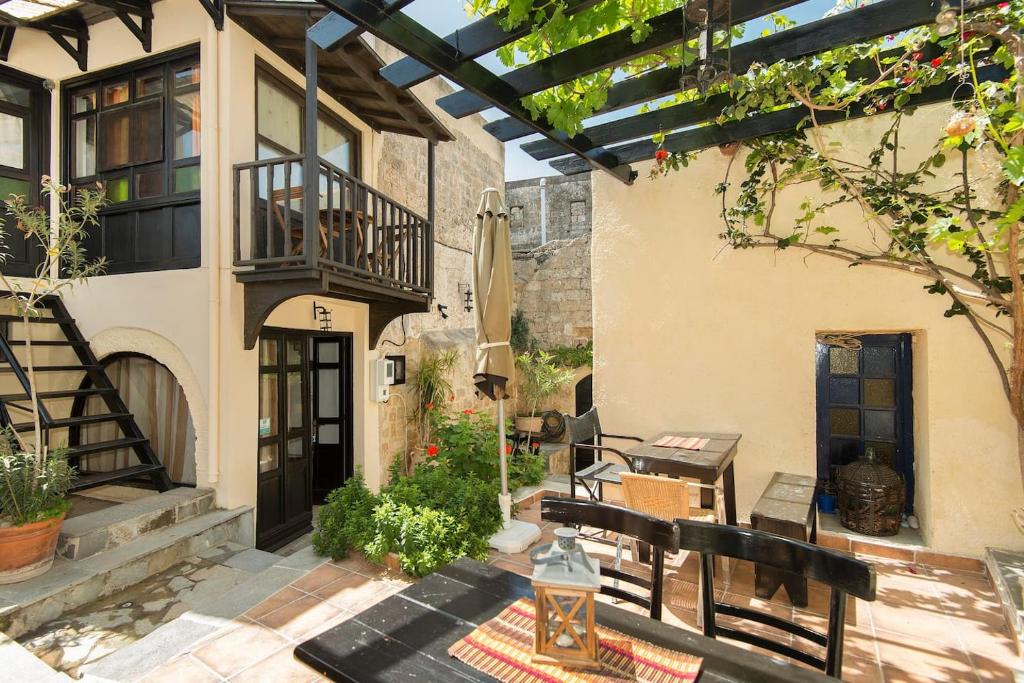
[(689, 125)]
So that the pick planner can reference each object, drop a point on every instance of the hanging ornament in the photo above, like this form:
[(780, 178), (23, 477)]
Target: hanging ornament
[(710, 21)]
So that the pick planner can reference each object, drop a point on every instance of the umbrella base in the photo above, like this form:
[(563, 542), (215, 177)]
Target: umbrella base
[(516, 537)]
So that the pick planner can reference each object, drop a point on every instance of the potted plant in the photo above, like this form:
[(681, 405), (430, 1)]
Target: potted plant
[(34, 480), (542, 378)]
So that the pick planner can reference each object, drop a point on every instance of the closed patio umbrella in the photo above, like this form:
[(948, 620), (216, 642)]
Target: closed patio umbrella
[(492, 281)]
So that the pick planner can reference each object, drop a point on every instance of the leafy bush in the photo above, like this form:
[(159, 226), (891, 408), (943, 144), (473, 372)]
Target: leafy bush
[(428, 519), (573, 356), (346, 520), (30, 490), (467, 444), (521, 340)]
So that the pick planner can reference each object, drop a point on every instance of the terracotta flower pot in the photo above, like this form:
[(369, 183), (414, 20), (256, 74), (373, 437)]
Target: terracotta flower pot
[(27, 551), (534, 425)]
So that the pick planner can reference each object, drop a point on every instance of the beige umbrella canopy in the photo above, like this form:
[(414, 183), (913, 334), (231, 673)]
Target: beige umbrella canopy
[(492, 282)]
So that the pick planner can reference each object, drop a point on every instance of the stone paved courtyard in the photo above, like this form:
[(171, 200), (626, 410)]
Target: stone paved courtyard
[(928, 623)]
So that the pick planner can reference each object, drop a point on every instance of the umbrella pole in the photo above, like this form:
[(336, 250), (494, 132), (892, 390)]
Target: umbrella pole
[(504, 500)]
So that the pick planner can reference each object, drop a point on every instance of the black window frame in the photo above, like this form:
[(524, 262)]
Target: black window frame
[(284, 83), (168, 203)]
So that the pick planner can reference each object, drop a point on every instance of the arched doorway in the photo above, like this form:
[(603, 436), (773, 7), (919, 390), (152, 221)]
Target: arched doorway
[(156, 399)]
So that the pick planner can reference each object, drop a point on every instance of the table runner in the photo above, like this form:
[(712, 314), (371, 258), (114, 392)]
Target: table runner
[(689, 443), (503, 648)]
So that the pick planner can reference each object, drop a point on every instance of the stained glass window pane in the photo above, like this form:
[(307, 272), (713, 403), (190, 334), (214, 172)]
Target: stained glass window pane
[(844, 421), (117, 189), (880, 393), (843, 361), (186, 179), (844, 390), (879, 361), (879, 424)]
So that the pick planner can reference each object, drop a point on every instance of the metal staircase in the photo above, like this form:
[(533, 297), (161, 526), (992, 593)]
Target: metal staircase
[(56, 332)]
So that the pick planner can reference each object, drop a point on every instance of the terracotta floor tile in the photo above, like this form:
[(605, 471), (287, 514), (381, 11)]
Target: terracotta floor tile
[(355, 562), (278, 599), (281, 667), (910, 621), (183, 668), (295, 620), (320, 577), (239, 648), (908, 659), (354, 592), (861, 670)]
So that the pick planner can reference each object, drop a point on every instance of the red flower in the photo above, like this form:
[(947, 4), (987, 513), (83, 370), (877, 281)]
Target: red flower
[(432, 450), (468, 411), (661, 155), (937, 62), (508, 449), (882, 106), (917, 56), (1003, 5), (430, 406), (907, 80), (535, 444)]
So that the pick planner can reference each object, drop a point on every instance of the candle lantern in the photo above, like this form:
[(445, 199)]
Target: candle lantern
[(565, 581)]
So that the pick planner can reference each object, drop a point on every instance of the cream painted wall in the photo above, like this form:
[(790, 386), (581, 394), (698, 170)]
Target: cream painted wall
[(688, 335)]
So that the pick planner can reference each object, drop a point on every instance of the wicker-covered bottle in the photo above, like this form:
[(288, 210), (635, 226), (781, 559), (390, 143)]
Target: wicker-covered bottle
[(871, 497)]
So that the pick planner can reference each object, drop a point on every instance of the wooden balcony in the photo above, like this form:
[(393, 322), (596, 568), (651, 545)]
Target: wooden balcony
[(353, 243)]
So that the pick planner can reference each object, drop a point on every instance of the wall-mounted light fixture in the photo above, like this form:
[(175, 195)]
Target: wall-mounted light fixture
[(322, 315), (443, 310), (466, 294)]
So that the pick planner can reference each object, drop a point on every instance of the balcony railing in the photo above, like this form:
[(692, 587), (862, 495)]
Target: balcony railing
[(359, 232)]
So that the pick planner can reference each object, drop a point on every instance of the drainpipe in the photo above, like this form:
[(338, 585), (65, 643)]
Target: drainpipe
[(213, 258), (543, 211)]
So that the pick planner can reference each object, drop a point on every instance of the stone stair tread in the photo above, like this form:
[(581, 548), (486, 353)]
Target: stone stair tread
[(129, 510), (253, 560), (21, 665)]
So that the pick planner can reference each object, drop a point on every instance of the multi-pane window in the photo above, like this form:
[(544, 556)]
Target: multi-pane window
[(280, 126), (137, 130)]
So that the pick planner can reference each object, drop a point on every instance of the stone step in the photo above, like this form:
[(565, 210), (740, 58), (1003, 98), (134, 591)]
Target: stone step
[(21, 665), (113, 527), (28, 605)]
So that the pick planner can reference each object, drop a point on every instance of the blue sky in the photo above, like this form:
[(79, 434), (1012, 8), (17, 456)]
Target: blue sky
[(444, 16)]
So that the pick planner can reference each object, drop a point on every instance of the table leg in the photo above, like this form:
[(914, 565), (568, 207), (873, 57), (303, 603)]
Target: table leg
[(729, 484)]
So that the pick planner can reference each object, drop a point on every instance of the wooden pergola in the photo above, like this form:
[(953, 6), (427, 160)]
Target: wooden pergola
[(613, 146)]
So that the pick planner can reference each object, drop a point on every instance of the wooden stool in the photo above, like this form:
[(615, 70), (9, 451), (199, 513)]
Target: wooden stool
[(787, 507)]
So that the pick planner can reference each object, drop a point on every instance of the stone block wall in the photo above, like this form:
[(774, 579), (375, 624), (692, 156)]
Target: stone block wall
[(553, 291), (568, 202)]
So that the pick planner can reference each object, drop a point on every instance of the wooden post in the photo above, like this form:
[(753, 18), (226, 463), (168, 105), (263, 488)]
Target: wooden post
[(429, 237), (310, 162)]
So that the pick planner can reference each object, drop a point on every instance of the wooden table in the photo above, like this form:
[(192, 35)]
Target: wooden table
[(787, 507), (406, 636), (708, 465)]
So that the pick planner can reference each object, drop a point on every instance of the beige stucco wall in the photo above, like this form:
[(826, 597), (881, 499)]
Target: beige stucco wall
[(192, 319), (690, 336)]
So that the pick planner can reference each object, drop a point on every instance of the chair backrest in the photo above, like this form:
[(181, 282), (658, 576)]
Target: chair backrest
[(663, 536), (660, 497), (585, 428), (845, 575)]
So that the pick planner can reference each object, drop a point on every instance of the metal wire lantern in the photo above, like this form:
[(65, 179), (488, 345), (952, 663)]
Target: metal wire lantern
[(711, 21)]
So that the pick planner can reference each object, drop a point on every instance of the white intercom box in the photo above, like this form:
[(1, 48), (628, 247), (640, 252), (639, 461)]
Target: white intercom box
[(383, 378)]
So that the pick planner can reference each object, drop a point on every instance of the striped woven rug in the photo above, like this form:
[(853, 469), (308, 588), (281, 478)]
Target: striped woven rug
[(689, 443), (503, 648)]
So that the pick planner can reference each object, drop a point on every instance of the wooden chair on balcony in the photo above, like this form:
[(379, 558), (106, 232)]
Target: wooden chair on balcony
[(355, 221)]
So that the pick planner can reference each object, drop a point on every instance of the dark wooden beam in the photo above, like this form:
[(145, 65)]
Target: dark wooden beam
[(760, 125), (615, 49), (866, 23), (398, 29), (334, 30), (689, 114), (482, 36), (70, 32), (6, 39), (215, 8)]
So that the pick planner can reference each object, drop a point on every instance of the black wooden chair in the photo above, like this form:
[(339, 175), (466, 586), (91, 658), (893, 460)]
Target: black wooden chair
[(586, 438), (845, 575), (662, 536)]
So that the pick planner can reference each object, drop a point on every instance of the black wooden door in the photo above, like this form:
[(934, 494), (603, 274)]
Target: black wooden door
[(331, 370), (865, 399), (24, 145), (284, 504)]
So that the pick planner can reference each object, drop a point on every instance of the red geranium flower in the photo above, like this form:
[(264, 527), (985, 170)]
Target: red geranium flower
[(468, 411), (535, 444), (937, 62), (661, 154), (432, 450), (1003, 5), (907, 80), (508, 449), (882, 106), (918, 56), (430, 406)]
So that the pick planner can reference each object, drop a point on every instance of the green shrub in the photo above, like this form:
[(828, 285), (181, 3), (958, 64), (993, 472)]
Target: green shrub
[(346, 520), (467, 444), (521, 340), (32, 491), (573, 356)]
